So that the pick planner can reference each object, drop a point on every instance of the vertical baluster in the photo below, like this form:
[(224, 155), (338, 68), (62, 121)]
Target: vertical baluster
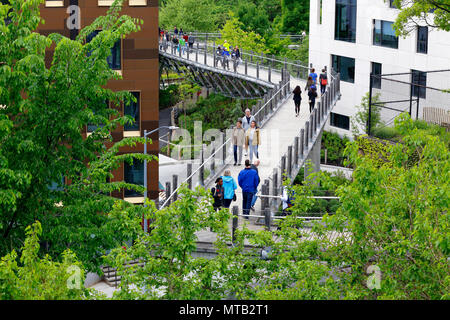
[(289, 162), (175, 186), (168, 192), (296, 140), (302, 143), (189, 173)]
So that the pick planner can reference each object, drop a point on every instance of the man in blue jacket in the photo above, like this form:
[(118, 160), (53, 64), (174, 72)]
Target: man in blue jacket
[(248, 180)]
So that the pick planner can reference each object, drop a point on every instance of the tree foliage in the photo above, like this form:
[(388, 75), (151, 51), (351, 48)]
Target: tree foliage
[(360, 120), (191, 15), (432, 13), (44, 113)]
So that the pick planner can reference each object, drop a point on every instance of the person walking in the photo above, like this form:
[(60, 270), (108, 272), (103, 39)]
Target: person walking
[(182, 45), (312, 94), (175, 43), (287, 199), (175, 31), (191, 41), (219, 56), (218, 194), (323, 79), (238, 142), (226, 58), (252, 140), (181, 31), (297, 99), (313, 75), (254, 166), (236, 56), (248, 181), (247, 120), (309, 83), (229, 187)]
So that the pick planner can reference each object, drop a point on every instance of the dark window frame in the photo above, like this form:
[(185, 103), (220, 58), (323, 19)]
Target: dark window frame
[(126, 166), (136, 126), (347, 34), (336, 62), (376, 81), (337, 119), (382, 42), (114, 62), (418, 78), (422, 44)]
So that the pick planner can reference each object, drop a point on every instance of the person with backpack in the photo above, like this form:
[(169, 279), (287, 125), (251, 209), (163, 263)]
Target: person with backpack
[(226, 58), (175, 30), (297, 99), (309, 83), (312, 94), (175, 43), (229, 186), (323, 81), (313, 76), (248, 181), (218, 194)]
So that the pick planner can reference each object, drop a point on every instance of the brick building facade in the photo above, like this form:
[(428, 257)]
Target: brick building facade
[(136, 59)]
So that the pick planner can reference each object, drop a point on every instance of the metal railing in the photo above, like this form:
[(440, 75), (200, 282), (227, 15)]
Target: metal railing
[(262, 112)]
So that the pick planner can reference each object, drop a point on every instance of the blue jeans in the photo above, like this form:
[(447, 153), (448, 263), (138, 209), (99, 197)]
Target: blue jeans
[(254, 198), (252, 150), (246, 202)]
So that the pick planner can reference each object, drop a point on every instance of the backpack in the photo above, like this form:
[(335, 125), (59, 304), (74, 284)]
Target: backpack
[(324, 81)]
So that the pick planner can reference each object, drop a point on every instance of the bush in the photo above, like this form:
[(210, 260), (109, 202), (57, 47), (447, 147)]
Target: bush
[(335, 146), (386, 133), (169, 97)]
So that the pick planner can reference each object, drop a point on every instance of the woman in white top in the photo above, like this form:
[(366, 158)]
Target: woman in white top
[(252, 140)]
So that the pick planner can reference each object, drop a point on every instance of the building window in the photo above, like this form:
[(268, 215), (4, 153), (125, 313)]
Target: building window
[(376, 70), (345, 20), (339, 121), (134, 173), (133, 110), (91, 127), (54, 3), (114, 60), (319, 18), (105, 3), (138, 2), (384, 34), (391, 4), (57, 185), (422, 39), (419, 81), (345, 66)]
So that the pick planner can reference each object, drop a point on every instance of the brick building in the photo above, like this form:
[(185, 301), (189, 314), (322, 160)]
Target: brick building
[(136, 59)]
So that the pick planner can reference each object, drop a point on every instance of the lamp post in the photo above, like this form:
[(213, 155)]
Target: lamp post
[(146, 134)]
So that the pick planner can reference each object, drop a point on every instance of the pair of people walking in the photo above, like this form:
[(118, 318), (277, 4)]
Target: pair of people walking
[(246, 134), (224, 191)]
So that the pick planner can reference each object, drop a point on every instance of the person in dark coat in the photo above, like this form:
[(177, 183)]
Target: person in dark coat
[(218, 194), (248, 180), (297, 99), (312, 94), (323, 79)]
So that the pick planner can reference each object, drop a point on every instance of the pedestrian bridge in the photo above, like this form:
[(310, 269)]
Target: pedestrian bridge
[(287, 141)]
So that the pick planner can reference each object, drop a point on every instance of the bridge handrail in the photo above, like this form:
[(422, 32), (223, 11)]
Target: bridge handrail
[(261, 57), (282, 90)]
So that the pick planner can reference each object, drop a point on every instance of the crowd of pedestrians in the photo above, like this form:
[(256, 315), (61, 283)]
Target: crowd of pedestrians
[(183, 42), (311, 89)]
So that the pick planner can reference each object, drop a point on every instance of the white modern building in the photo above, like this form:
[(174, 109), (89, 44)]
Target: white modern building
[(356, 37)]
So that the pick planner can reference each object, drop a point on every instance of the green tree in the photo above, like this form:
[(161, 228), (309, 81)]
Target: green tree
[(253, 17), (361, 118), (44, 113), (233, 32), (432, 13), (295, 16), (191, 15), (33, 278)]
